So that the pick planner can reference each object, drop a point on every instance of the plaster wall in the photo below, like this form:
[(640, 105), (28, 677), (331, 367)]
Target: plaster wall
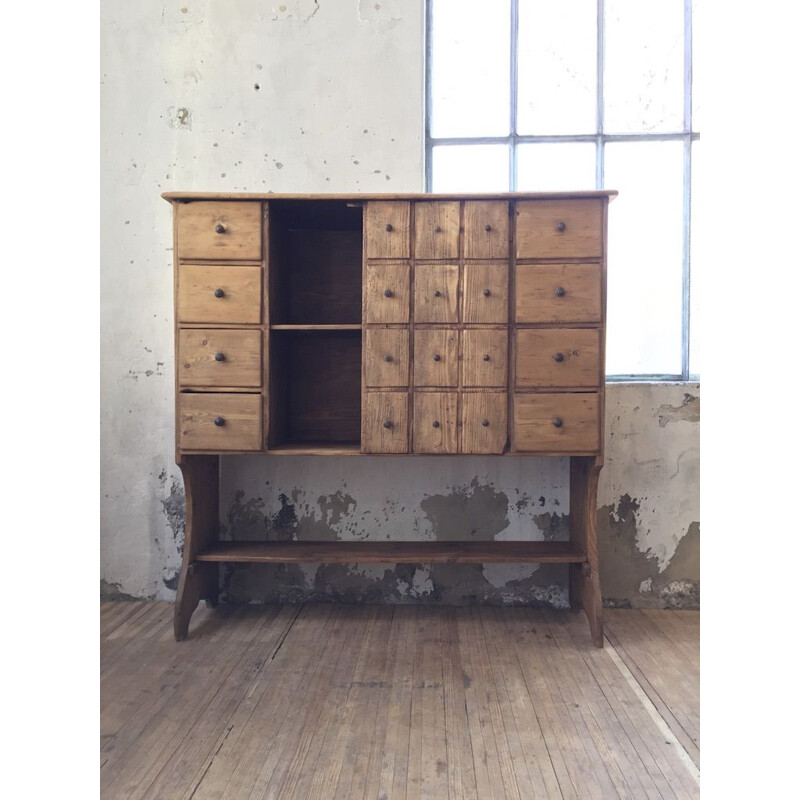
[(315, 96)]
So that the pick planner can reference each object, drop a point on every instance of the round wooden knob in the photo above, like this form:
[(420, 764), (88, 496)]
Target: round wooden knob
[(219, 293), (389, 227), (387, 358), (437, 229), (558, 357), (388, 293), (485, 423), (220, 228), (437, 293), (487, 228), (487, 292), (437, 357), (485, 356), (436, 423), (561, 291), (561, 227), (387, 423), (219, 356), (219, 421), (558, 422)]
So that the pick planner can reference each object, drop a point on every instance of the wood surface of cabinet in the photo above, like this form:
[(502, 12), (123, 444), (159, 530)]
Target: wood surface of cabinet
[(389, 325)]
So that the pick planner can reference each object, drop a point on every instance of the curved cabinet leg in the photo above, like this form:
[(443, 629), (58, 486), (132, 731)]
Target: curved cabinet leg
[(198, 580), (584, 578)]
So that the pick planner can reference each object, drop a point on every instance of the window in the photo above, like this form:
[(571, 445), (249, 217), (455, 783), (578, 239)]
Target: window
[(531, 95)]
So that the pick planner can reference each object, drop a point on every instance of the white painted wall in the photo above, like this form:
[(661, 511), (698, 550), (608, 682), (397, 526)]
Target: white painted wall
[(303, 96)]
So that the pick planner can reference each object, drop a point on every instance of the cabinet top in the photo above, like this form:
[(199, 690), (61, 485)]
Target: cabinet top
[(608, 193)]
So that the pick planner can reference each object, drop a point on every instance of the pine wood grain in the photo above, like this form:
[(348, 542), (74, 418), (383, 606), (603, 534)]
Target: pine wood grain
[(436, 357), (387, 229), (485, 229), (558, 358), (386, 357), (387, 292), (485, 357), (559, 228), (240, 300), (241, 415), (238, 237), (484, 424), (435, 422), (436, 226), (536, 413), (558, 293), (380, 408), (208, 357), (436, 293), (478, 305)]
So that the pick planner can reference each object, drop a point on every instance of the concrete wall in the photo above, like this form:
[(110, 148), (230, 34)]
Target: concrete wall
[(315, 96)]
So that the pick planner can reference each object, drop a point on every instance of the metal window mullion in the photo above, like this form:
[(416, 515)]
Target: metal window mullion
[(687, 191), (600, 153), (428, 165), (513, 95)]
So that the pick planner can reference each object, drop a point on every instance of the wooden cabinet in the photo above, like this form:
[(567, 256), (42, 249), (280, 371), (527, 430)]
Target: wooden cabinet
[(385, 325)]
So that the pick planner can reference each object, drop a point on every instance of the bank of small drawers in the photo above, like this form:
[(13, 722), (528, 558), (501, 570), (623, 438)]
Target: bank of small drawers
[(219, 370)]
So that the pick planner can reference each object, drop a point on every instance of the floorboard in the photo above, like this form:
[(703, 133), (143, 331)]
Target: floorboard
[(394, 703)]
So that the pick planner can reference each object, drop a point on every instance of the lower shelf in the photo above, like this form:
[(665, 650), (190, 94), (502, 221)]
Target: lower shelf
[(395, 552)]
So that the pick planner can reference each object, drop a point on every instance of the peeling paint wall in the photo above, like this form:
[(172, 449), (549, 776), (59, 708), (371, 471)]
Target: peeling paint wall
[(315, 96)]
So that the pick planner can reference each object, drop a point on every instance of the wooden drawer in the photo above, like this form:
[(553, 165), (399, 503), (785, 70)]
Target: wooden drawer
[(435, 422), (219, 358), (386, 357), (559, 293), (485, 229), (384, 422), (485, 293), (485, 357), (436, 293), (386, 292), (484, 426), (558, 357), (219, 421), (219, 230), (387, 229), (556, 423), (436, 229), (435, 357), (219, 294), (559, 228)]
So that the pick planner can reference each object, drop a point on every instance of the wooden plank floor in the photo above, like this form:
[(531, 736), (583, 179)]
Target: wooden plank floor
[(335, 702)]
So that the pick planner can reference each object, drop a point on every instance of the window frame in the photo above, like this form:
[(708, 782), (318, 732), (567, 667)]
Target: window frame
[(600, 138)]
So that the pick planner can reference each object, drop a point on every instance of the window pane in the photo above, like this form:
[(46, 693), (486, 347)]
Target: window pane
[(555, 167), (557, 67), (470, 69), (645, 246), (643, 66), (696, 247), (470, 168)]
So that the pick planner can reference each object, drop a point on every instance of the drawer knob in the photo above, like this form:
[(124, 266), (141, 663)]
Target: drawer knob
[(220, 228), (485, 423), (437, 293), (219, 293), (561, 291), (219, 356), (487, 292), (557, 422), (387, 423), (388, 293), (437, 229), (487, 228), (387, 358), (219, 421), (389, 227), (558, 357), (561, 227), (436, 423), (485, 356), (437, 357)]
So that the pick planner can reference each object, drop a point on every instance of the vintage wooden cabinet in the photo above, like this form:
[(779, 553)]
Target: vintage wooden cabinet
[(375, 324)]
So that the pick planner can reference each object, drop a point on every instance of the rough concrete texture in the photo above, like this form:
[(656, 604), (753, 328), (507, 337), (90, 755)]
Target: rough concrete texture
[(315, 96)]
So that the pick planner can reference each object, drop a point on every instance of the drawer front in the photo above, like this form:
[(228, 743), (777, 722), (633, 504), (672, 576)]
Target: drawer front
[(559, 293), (219, 422), (484, 427), (485, 357), (555, 423), (219, 294), (435, 357), (387, 229), (386, 357), (436, 227), (436, 293), (435, 422), (386, 292), (485, 229), (384, 423), (219, 358), (559, 228), (558, 357), (219, 230), (486, 293)]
